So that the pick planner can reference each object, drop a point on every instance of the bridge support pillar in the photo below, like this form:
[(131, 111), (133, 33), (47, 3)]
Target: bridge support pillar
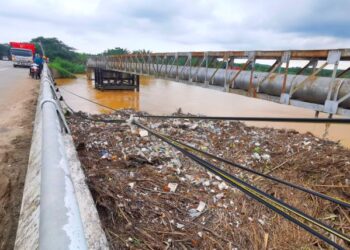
[(137, 82), (115, 80), (89, 73)]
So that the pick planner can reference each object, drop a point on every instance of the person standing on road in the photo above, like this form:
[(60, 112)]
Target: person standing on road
[(40, 62)]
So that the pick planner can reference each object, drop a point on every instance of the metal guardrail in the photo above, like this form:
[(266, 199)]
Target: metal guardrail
[(60, 224)]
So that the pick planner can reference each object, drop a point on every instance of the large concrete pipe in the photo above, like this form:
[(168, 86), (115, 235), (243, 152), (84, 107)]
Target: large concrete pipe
[(315, 89)]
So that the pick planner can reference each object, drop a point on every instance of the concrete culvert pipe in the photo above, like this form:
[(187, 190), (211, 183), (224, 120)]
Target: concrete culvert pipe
[(315, 90)]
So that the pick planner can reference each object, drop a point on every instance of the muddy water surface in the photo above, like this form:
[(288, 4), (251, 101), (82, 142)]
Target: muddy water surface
[(161, 97)]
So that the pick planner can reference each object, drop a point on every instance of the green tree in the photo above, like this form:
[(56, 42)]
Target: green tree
[(55, 48), (141, 51), (63, 57), (4, 49), (115, 51), (81, 58)]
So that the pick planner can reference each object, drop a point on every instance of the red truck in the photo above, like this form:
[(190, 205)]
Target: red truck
[(22, 53)]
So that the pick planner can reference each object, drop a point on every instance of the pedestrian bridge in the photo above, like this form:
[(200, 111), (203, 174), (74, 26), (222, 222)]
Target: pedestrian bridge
[(238, 72)]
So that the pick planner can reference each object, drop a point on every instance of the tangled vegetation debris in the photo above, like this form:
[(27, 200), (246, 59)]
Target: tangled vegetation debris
[(149, 196)]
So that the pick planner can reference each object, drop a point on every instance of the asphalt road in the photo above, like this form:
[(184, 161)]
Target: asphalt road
[(16, 90), (12, 80), (18, 93)]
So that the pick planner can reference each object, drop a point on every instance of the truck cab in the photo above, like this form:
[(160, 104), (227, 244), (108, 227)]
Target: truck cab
[(22, 53), (21, 57)]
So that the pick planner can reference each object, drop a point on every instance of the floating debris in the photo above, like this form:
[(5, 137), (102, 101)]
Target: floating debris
[(201, 206), (179, 226), (149, 196), (143, 133), (266, 157), (256, 156), (131, 185), (104, 154), (222, 186), (172, 187)]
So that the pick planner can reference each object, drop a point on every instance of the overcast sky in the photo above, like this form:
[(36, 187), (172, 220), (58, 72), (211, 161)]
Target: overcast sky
[(180, 25)]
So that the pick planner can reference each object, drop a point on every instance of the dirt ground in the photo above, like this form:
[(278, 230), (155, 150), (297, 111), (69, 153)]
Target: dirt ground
[(16, 124), (149, 196)]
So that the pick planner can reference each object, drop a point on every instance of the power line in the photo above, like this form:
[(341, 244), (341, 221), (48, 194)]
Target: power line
[(87, 99), (89, 118), (225, 118), (247, 118)]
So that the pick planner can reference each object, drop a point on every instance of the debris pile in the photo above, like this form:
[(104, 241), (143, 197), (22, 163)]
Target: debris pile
[(149, 196)]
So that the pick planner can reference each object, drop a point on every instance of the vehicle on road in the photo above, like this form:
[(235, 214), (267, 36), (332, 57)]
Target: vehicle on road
[(21, 57), (22, 54), (34, 71)]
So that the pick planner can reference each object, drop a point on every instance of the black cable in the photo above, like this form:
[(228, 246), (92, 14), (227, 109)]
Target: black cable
[(99, 120), (306, 190), (86, 99), (264, 202), (66, 104), (223, 175), (88, 118), (224, 118), (312, 192), (256, 119), (214, 169)]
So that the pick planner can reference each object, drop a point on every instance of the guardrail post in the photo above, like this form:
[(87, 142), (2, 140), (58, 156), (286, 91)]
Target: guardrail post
[(206, 82), (177, 66), (190, 67)]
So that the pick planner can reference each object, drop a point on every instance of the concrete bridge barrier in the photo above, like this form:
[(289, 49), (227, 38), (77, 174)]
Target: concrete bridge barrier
[(57, 210)]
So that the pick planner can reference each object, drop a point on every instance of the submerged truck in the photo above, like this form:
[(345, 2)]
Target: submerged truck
[(22, 54)]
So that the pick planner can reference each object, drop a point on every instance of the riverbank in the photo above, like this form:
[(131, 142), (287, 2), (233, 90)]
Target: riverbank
[(65, 69), (150, 196)]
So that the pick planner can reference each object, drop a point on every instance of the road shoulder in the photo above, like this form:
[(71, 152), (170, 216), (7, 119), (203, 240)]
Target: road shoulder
[(16, 124)]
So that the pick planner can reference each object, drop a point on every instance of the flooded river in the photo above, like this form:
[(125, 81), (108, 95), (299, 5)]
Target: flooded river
[(162, 97)]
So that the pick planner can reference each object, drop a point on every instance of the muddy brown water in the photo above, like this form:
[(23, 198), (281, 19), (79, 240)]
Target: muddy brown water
[(162, 97)]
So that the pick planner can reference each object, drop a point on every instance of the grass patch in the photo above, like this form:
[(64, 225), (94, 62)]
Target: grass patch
[(61, 71), (67, 69)]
